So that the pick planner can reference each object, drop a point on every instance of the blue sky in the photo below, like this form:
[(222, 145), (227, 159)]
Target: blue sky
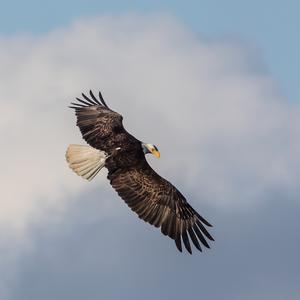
[(214, 87), (271, 26)]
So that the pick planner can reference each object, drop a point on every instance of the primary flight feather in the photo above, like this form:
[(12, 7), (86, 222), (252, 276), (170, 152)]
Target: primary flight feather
[(152, 197)]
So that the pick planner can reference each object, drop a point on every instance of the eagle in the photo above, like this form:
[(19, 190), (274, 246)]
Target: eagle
[(154, 199)]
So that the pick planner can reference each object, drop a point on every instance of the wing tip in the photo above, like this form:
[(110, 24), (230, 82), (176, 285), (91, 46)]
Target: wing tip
[(178, 243), (197, 234), (89, 101)]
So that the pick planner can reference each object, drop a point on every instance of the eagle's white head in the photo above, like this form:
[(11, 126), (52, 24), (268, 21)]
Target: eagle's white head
[(149, 148)]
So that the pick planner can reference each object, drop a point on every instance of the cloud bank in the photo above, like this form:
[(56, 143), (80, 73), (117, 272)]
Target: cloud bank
[(219, 120), (228, 139)]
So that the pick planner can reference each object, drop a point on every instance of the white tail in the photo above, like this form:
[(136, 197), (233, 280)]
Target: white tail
[(85, 161)]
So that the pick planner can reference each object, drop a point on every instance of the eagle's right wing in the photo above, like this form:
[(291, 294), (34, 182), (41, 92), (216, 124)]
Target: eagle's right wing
[(96, 120)]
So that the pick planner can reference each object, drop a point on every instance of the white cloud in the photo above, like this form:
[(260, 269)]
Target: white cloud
[(222, 127)]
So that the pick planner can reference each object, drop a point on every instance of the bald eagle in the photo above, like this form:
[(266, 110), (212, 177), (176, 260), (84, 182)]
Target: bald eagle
[(151, 197)]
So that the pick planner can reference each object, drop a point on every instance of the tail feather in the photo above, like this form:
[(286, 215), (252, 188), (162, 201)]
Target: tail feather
[(85, 161)]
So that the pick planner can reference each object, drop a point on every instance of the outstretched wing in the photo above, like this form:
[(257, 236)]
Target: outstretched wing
[(159, 203), (96, 121)]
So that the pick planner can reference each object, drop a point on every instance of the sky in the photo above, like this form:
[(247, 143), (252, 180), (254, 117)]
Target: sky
[(212, 88), (271, 26)]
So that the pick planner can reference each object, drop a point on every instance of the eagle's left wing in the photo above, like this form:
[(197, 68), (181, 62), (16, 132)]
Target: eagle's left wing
[(159, 203)]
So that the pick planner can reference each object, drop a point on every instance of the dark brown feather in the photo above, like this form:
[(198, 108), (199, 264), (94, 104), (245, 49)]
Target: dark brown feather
[(186, 242), (178, 243)]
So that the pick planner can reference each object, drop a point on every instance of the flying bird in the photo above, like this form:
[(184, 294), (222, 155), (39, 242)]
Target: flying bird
[(154, 199)]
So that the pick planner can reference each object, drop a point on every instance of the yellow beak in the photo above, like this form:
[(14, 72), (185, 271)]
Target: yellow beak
[(155, 153)]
